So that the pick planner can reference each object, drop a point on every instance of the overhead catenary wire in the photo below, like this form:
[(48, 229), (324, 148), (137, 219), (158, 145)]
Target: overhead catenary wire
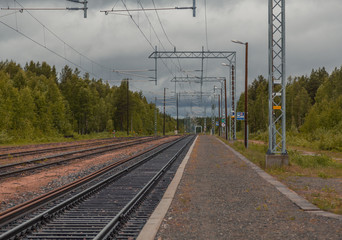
[(137, 25), (61, 40), (155, 33), (15, 12), (141, 31), (21, 9), (167, 37), (115, 4), (50, 50), (144, 35), (43, 45), (134, 74)]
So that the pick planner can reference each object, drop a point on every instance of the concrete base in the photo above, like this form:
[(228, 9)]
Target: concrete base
[(276, 161)]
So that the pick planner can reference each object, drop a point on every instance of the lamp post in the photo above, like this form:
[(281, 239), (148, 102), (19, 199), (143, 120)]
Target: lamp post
[(246, 90)]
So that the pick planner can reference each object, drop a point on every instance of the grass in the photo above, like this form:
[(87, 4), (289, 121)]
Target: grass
[(327, 201), (75, 137), (308, 161), (319, 166), (322, 142)]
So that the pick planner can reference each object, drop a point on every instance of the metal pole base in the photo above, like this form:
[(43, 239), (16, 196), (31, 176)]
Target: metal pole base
[(276, 161)]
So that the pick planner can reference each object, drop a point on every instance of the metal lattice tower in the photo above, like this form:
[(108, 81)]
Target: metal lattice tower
[(277, 78), (230, 56)]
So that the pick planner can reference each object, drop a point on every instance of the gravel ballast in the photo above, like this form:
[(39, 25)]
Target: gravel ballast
[(222, 197)]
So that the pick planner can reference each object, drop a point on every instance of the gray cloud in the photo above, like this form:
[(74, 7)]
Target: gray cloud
[(313, 29)]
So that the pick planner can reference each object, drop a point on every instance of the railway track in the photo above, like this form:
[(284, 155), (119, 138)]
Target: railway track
[(13, 169), (115, 204), (15, 152)]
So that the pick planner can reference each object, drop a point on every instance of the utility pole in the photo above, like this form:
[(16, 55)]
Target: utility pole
[(155, 117), (221, 110), (225, 93), (177, 112), (127, 107), (246, 97), (233, 103), (219, 114), (213, 119), (164, 113)]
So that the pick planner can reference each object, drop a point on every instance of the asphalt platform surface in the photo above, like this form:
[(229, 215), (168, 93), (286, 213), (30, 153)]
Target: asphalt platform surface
[(222, 197)]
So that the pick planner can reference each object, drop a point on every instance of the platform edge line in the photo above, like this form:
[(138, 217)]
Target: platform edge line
[(152, 225)]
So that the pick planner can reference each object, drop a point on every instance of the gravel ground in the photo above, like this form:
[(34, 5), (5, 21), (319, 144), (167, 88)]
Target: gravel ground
[(334, 184), (72, 146), (19, 189), (220, 197)]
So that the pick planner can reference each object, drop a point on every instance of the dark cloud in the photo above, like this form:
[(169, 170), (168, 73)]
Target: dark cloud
[(313, 34)]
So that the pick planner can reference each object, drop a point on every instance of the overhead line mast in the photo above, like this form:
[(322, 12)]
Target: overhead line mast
[(153, 9), (85, 8), (277, 154)]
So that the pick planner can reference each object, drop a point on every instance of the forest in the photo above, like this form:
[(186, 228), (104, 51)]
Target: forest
[(313, 109), (37, 103)]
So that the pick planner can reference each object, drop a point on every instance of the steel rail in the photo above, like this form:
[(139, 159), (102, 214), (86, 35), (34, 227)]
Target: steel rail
[(97, 150), (63, 154), (45, 150), (44, 145), (27, 226), (28, 206), (110, 228), (47, 145)]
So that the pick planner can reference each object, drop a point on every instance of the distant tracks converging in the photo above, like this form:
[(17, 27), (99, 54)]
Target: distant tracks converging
[(113, 204), (12, 169), (15, 152)]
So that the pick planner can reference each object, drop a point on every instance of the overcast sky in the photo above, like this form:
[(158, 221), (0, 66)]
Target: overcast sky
[(313, 40)]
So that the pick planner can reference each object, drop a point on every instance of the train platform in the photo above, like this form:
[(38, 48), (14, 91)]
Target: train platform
[(219, 194)]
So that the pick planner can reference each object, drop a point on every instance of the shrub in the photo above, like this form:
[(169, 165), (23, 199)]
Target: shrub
[(5, 138)]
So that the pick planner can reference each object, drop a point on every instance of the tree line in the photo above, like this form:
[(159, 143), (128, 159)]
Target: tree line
[(313, 107), (35, 103)]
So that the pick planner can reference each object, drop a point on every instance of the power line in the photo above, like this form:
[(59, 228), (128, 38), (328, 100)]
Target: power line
[(65, 43), (167, 37), (155, 33), (137, 25), (148, 19), (142, 32), (57, 37), (50, 50), (115, 4), (15, 12)]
